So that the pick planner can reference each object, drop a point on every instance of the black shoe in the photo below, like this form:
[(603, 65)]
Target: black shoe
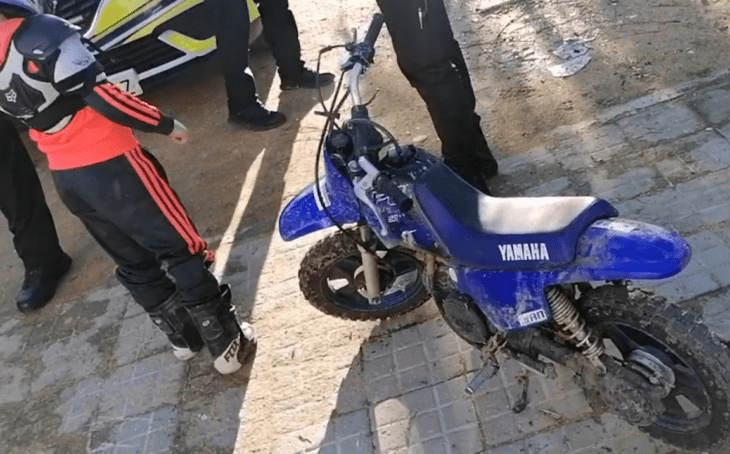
[(490, 168), (257, 117), (477, 181), (39, 285), (475, 177), (307, 79)]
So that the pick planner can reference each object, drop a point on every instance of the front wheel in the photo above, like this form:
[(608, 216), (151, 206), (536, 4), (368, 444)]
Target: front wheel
[(696, 416), (332, 280)]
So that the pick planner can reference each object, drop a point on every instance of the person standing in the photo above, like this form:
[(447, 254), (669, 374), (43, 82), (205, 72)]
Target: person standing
[(34, 234), (53, 83), (432, 61), (281, 33)]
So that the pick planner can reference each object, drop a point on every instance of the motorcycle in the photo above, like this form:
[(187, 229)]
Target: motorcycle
[(541, 280)]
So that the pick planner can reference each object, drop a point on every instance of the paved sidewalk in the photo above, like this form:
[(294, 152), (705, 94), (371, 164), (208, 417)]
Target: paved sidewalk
[(398, 387), (93, 375)]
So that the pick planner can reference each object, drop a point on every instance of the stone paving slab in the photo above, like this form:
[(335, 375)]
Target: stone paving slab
[(660, 160), (94, 375)]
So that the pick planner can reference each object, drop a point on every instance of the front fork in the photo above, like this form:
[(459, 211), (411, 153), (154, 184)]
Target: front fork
[(370, 266)]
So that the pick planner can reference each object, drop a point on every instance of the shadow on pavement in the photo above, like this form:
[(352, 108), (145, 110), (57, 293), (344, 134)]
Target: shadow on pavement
[(90, 372)]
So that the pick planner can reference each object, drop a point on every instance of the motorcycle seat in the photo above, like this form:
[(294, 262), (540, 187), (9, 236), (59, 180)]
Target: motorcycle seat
[(512, 232)]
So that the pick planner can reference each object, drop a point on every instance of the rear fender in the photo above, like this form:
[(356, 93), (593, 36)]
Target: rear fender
[(608, 250), (618, 249)]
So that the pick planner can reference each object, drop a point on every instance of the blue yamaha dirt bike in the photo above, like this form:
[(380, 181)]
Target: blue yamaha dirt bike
[(541, 280)]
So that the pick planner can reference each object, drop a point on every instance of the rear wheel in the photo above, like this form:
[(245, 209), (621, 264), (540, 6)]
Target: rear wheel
[(696, 415), (332, 280)]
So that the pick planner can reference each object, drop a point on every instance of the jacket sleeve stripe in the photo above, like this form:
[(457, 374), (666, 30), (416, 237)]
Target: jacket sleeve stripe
[(139, 110), (134, 100)]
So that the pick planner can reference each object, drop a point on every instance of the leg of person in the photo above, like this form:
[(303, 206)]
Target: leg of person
[(29, 219), (432, 61), (148, 284), (137, 269), (244, 107), (147, 209), (282, 34)]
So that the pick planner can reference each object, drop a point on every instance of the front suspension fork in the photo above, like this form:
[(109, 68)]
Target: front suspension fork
[(369, 267)]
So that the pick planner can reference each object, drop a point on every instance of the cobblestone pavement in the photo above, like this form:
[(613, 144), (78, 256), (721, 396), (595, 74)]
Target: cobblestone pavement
[(93, 375)]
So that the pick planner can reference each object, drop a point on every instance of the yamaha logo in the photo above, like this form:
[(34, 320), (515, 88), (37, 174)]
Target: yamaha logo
[(523, 251)]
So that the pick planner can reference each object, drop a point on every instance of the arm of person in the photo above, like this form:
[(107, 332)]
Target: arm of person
[(76, 72), (127, 109)]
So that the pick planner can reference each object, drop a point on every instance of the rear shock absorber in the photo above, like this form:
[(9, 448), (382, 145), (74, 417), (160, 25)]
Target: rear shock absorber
[(571, 323)]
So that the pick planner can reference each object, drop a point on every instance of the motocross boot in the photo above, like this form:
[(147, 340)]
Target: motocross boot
[(172, 318), (229, 340)]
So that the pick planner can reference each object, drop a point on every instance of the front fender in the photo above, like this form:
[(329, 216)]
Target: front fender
[(304, 214)]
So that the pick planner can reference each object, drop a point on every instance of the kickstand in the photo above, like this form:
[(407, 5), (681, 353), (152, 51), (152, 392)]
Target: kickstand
[(524, 380)]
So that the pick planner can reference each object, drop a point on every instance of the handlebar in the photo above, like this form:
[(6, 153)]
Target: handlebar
[(381, 183), (387, 187), (374, 30), (361, 55)]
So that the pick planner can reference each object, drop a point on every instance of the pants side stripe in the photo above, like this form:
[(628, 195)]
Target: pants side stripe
[(166, 199)]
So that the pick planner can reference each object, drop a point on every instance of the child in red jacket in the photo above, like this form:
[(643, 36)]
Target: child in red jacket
[(53, 83)]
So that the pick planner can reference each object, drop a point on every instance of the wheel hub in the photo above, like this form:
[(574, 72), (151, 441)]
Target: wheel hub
[(648, 363), (385, 275), (635, 390)]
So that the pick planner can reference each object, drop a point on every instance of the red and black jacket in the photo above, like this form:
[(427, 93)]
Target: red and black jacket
[(53, 83)]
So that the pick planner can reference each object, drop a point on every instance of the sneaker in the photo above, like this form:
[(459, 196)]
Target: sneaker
[(257, 117), (308, 79), (39, 285)]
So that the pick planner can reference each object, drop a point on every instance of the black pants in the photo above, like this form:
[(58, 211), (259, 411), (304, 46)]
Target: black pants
[(280, 31), (23, 203), (432, 61), (130, 209)]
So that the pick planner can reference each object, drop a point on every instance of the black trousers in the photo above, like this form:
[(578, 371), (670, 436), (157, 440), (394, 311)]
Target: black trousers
[(433, 63), (280, 31), (130, 209), (23, 203)]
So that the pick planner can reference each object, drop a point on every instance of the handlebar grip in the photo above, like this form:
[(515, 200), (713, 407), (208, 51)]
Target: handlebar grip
[(374, 29), (387, 187)]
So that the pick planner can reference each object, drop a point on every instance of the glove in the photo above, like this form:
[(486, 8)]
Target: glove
[(179, 133)]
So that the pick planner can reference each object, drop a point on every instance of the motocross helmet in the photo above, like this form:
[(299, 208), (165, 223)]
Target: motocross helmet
[(18, 8)]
